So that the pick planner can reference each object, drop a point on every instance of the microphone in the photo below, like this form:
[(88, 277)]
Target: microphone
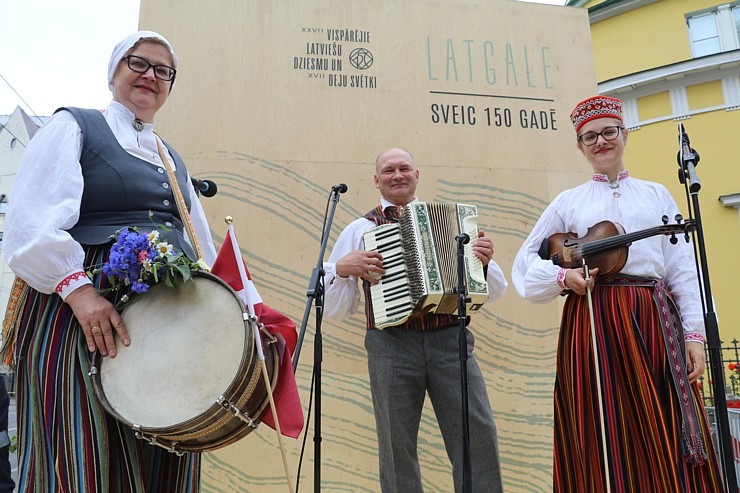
[(206, 187), (687, 158), (339, 188), (463, 238), (687, 154)]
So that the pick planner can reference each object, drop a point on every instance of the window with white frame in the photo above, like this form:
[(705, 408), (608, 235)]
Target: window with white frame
[(714, 30), (704, 34)]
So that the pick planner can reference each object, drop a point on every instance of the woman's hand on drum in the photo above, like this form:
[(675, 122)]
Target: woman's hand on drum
[(99, 319)]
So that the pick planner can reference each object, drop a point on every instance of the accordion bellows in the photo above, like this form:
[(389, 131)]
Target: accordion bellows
[(421, 262)]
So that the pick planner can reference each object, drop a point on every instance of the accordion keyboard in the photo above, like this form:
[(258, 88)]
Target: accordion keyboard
[(391, 297)]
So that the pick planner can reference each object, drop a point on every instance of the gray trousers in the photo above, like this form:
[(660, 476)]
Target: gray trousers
[(404, 366)]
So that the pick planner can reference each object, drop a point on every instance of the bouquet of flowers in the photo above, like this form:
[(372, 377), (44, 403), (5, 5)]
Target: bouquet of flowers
[(137, 261)]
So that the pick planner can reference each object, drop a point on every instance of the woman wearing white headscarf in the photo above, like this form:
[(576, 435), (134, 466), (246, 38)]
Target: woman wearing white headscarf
[(97, 172)]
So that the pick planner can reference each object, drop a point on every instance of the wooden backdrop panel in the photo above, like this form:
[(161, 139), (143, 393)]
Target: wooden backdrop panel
[(278, 101)]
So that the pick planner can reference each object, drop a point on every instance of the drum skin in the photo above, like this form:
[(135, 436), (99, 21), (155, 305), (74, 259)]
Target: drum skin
[(190, 346)]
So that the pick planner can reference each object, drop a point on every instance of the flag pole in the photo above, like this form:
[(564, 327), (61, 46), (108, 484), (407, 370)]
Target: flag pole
[(258, 341)]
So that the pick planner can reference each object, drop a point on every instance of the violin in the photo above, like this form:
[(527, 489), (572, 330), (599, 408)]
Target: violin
[(605, 245)]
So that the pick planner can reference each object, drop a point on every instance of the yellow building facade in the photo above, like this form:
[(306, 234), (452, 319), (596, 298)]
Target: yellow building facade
[(678, 62)]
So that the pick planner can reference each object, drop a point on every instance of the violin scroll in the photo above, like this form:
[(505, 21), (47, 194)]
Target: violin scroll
[(685, 228)]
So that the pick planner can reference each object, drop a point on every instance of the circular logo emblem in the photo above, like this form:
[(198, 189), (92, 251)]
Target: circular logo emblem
[(361, 58)]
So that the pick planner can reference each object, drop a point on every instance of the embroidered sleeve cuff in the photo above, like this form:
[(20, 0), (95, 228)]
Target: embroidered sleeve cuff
[(561, 278), (72, 282), (694, 337)]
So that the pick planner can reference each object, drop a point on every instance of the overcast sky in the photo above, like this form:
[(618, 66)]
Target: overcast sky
[(56, 52)]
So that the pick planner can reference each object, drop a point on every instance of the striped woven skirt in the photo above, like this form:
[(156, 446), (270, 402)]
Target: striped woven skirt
[(642, 415), (66, 441)]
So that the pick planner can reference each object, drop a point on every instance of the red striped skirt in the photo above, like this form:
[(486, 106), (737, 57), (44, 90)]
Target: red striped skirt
[(642, 415)]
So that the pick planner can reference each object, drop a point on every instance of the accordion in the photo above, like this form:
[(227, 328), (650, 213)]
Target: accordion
[(420, 262)]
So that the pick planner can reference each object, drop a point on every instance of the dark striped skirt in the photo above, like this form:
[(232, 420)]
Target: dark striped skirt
[(66, 441), (642, 411)]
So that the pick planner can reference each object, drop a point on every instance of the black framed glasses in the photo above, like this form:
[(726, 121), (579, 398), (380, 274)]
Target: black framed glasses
[(609, 133), (141, 66)]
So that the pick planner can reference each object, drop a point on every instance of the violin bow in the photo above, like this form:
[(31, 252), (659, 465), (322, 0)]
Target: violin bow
[(604, 448)]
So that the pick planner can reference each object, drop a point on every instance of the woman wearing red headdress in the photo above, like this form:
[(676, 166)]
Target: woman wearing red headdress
[(649, 433)]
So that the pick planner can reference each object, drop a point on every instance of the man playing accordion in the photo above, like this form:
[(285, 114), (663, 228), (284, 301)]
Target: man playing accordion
[(418, 357)]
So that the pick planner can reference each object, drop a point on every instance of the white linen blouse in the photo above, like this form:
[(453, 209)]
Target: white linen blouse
[(46, 199), (636, 205)]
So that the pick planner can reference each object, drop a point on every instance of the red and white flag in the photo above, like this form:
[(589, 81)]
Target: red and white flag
[(236, 274)]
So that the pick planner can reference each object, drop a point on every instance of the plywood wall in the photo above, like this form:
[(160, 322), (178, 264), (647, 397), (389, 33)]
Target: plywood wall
[(278, 101)]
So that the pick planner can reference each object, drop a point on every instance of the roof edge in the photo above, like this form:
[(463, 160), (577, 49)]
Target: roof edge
[(609, 8)]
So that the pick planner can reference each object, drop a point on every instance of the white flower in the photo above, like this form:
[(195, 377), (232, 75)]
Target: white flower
[(153, 237), (164, 249)]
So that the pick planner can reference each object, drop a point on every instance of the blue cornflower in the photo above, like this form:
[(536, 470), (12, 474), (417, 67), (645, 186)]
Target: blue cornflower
[(139, 287), (139, 260)]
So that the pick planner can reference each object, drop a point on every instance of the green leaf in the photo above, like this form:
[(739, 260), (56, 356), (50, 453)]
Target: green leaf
[(169, 278), (185, 272)]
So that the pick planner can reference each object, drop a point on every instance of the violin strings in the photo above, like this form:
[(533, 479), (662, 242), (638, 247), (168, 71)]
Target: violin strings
[(618, 240)]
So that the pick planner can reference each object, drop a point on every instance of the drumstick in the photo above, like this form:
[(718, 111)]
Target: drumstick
[(258, 340), (277, 422)]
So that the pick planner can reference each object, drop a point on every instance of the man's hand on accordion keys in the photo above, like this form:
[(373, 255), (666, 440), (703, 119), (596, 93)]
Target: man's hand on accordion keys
[(483, 248), (361, 264)]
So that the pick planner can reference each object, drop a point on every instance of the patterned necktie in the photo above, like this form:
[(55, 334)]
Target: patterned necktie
[(392, 213)]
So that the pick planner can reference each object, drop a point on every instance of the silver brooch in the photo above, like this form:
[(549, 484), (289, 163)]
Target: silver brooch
[(614, 184)]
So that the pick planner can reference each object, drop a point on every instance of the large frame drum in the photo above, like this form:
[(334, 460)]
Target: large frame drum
[(190, 381)]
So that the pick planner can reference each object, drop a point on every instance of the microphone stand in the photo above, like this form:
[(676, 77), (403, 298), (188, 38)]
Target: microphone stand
[(462, 292), (687, 161), (315, 293)]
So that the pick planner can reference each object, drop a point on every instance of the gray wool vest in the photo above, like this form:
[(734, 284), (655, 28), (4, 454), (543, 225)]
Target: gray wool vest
[(121, 190)]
